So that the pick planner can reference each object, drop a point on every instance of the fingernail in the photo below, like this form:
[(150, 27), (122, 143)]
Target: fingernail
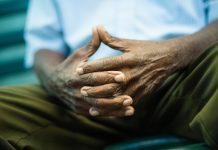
[(129, 112), (79, 71), (93, 112), (114, 72), (84, 93), (127, 102), (120, 78), (86, 88)]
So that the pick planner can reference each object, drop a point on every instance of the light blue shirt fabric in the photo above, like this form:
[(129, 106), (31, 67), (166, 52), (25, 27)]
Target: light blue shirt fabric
[(66, 25)]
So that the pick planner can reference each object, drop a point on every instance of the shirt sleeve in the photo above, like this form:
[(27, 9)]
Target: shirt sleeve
[(43, 30), (212, 10)]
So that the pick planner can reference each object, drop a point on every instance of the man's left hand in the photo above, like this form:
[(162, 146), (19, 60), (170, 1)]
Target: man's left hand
[(145, 64)]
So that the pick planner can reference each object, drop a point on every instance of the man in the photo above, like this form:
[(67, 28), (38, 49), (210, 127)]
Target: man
[(165, 80)]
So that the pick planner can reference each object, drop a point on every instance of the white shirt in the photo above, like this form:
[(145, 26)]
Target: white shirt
[(66, 25)]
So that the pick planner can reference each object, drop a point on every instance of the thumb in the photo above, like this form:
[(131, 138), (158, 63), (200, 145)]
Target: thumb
[(111, 41), (94, 44), (90, 48)]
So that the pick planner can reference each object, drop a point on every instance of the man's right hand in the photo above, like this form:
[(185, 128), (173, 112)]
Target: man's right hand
[(64, 83)]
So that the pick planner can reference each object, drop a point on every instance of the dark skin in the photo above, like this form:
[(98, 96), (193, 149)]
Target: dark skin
[(113, 86), (58, 76), (145, 64)]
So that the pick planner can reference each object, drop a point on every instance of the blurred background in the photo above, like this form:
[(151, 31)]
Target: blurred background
[(12, 46), (12, 70)]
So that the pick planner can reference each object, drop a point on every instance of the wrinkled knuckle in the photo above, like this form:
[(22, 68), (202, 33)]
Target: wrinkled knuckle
[(104, 63), (86, 68), (106, 77), (120, 61), (90, 78), (73, 82), (69, 83)]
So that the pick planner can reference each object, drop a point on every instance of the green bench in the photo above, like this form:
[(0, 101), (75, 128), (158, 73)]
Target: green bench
[(12, 50), (12, 47)]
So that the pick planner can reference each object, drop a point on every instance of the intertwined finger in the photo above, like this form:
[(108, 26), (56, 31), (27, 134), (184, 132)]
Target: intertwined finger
[(85, 52), (97, 78), (112, 41), (109, 63), (94, 43), (106, 90), (105, 64), (110, 103), (100, 78)]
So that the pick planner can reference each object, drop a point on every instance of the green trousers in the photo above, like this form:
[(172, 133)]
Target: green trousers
[(186, 104)]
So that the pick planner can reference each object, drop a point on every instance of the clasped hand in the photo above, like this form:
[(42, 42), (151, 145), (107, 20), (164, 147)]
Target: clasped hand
[(113, 86), (136, 73)]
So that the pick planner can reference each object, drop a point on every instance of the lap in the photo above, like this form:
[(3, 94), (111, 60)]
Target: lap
[(188, 107), (29, 117)]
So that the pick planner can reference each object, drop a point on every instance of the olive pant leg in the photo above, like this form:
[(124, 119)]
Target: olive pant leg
[(189, 107), (185, 105), (30, 119)]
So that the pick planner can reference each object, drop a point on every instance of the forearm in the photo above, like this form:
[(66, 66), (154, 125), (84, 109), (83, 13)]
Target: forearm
[(207, 36), (44, 64), (194, 45)]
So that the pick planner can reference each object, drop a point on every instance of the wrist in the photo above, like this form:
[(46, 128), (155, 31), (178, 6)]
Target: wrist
[(46, 74), (195, 44), (185, 50), (45, 65)]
